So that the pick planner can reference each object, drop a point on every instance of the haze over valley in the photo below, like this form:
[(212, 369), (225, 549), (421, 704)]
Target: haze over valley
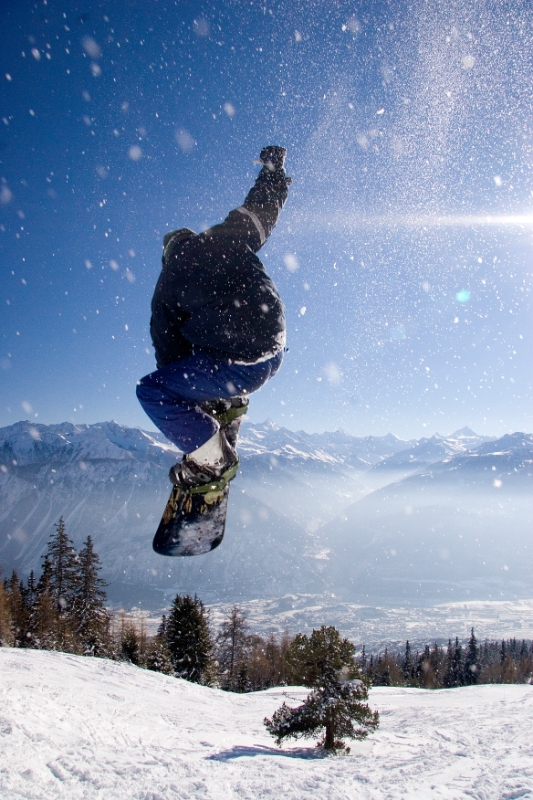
[(364, 521)]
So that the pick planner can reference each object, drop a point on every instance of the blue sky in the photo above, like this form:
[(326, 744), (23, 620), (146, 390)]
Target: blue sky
[(408, 125)]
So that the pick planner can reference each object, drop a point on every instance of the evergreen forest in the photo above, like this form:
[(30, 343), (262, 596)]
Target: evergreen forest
[(64, 609)]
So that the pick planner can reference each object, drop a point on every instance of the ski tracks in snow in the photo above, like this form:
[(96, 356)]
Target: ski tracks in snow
[(74, 727)]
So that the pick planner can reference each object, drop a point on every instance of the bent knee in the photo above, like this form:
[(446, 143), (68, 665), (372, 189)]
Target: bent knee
[(145, 388)]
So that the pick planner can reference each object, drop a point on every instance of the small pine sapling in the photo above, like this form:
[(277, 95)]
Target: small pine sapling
[(336, 707)]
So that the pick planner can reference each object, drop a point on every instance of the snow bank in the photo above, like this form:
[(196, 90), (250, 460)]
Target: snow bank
[(85, 728)]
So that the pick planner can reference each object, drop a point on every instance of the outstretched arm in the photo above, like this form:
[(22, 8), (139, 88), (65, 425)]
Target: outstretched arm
[(254, 221)]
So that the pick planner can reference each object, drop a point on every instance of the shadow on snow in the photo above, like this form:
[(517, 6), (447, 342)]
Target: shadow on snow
[(262, 750)]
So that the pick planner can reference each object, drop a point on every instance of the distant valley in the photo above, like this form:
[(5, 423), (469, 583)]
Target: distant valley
[(372, 520)]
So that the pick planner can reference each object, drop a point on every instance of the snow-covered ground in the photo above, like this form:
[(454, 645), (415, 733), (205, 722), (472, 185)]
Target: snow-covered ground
[(85, 728)]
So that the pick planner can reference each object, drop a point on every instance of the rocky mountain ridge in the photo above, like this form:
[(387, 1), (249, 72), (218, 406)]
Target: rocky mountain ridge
[(29, 442)]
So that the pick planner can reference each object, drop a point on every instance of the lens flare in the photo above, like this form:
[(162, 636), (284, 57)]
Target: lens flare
[(342, 221), (463, 296)]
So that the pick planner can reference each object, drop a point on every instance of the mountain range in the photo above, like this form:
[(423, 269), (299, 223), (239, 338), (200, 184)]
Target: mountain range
[(372, 519)]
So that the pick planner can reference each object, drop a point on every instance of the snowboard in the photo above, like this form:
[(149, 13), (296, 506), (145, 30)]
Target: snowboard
[(194, 519)]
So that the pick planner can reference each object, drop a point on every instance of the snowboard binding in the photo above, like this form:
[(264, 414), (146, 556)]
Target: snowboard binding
[(194, 519)]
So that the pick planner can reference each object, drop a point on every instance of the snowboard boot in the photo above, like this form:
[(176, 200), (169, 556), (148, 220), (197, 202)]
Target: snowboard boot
[(229, 414), (212, 465)]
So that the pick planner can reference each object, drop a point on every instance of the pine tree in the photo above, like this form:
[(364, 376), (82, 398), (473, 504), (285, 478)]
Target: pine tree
[(233, 643), (325, 663), (255, 672), (189, 638), (525, 663), (455, 674), (31, 596), (363, 660), (129, 644), (472, 665), (89, 613), (20, 613), (275, 660), (243, 684), (407, 666), (437, 660), (44, 621), (7, 638), (448, 676), (63, 583), (158, 657), (64, 568), (425, 673), (457, 669), (507, 658), (262, 663), (387, 670), (485, 660), (324, 653)]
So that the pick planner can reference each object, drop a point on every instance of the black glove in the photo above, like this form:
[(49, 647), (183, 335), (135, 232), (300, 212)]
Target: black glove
[(272, 157)]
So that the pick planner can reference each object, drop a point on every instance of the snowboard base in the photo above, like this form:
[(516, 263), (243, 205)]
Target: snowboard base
[(193, 522)]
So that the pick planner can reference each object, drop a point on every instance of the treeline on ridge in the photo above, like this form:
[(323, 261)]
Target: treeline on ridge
[(65, 609), (437, 667)]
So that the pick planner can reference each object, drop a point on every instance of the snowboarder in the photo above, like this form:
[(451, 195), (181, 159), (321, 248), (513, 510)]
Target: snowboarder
[(218, 329)]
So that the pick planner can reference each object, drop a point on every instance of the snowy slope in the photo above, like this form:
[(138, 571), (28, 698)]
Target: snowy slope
[(86, 728)]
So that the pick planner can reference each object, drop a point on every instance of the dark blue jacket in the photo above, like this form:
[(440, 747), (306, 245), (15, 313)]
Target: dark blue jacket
[(214, 294)]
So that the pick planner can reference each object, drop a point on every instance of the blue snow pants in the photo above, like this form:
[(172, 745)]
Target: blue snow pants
[(170, 395)]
